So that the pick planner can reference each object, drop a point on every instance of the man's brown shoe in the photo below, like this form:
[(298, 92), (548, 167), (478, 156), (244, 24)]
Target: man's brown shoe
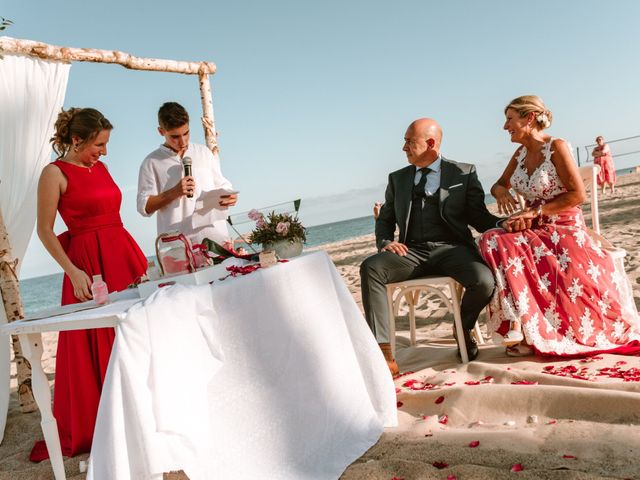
[(388, 356)]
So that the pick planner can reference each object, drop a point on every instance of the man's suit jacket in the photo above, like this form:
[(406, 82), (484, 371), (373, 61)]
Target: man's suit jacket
[(461, 203)]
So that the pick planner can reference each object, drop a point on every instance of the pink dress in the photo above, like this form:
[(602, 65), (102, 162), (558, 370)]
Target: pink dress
[(555, 279), (607, 172)]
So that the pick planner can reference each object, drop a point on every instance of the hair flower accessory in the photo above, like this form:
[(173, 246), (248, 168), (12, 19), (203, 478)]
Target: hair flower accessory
[(543, 119)]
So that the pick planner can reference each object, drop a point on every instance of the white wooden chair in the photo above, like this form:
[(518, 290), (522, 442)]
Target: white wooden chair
[(410, 290), (589, 174)]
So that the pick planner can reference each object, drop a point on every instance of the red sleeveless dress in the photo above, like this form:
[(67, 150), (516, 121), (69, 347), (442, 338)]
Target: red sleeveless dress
[(97, 243)]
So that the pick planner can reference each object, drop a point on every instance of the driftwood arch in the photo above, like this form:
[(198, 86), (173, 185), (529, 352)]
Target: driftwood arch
[(9, 285)]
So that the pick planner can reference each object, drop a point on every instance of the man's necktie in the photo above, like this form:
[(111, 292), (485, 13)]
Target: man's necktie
[(418, 189)]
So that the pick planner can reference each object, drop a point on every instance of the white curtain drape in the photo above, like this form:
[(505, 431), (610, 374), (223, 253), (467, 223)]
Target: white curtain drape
[(31, 95)]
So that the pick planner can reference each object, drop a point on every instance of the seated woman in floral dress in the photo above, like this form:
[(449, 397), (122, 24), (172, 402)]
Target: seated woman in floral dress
[(557, 291)]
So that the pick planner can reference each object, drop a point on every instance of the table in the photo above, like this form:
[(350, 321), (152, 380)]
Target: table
[(291, 321)]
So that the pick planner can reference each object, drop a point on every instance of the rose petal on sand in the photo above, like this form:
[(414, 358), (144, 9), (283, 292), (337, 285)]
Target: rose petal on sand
[(517, 467), (440, 465), (472, 382), (524, 382), (443, 419), (439, 400), (397, 478), (552, 422), (568, 456), (452, 477), (474, 444), (399, 404)]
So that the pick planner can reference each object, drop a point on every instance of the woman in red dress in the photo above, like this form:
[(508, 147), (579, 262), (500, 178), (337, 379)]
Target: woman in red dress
[(602, 157), (79, 186), (557, 291)]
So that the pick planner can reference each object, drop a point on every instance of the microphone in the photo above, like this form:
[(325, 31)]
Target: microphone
[(186, 164)]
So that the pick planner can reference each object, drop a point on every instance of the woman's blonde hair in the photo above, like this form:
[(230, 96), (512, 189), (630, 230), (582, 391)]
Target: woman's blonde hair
[(526, 104), (84, 123)]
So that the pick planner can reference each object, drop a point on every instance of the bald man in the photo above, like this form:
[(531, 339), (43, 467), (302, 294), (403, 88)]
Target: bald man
[(432, 201)]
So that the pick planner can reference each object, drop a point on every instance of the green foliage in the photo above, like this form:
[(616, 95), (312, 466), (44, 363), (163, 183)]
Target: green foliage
[(277, 227)]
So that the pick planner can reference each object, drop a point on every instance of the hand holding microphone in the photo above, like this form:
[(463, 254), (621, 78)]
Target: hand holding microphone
[(188, 184)]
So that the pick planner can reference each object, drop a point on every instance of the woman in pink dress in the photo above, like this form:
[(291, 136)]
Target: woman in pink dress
[(557, 291), (602, 157)]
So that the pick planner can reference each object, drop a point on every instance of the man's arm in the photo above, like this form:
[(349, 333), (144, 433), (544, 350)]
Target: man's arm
[(149, 200), (386, 221)]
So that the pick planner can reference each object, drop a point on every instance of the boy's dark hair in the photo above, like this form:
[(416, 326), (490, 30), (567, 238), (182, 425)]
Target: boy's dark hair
[(172, 115)]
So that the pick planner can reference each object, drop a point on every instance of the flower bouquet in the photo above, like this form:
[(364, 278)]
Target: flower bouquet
[(281, 232)]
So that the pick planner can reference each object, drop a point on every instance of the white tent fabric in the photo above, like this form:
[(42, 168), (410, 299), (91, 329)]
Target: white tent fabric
[(31, 95)]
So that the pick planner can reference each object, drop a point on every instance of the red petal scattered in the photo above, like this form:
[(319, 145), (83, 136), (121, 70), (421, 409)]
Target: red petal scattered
[(474, 444), (439, 400), (440, 465), (524, 382), (443, 419), (449, 384), (552, 422), (472, 382), (398, 390), (568, 456), (397, 478), (488, 379), (399, 404), (418, 385), (517, 467), (452, 477)]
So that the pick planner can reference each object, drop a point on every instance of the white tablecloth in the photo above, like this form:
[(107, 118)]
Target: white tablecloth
[(303, 390)]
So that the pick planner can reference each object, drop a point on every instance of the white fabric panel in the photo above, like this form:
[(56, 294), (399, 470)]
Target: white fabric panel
[(31, 95)]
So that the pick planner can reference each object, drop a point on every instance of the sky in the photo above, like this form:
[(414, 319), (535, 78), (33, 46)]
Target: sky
[(312, 99)]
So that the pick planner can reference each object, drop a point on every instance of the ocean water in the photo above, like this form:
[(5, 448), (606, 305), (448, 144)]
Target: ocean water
[(43, 292)]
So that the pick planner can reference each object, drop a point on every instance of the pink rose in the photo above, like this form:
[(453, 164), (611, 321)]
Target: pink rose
[(254, 215), (260, 222), (282, 228)]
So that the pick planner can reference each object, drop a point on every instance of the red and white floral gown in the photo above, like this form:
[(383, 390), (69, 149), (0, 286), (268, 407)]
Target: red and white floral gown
[(556, 280)]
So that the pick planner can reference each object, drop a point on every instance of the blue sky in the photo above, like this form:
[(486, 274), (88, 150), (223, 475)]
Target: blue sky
[(312, 99)]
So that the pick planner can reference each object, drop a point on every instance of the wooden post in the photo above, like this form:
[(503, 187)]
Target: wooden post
[(208, 122), (10, 291)]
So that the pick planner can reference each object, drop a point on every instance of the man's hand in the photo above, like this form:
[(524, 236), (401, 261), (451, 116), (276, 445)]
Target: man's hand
[(519, 221), (186, 186), (397, 248), (228, 200)]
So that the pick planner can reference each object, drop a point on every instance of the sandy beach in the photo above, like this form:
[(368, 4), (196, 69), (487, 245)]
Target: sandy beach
[(547, 417)]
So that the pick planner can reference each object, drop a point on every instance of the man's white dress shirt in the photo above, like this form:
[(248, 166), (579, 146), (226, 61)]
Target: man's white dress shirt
[(162, 170)]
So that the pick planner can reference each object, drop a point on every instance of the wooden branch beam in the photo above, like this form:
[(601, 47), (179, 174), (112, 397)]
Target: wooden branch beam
[(208, 122), (66, 54)]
